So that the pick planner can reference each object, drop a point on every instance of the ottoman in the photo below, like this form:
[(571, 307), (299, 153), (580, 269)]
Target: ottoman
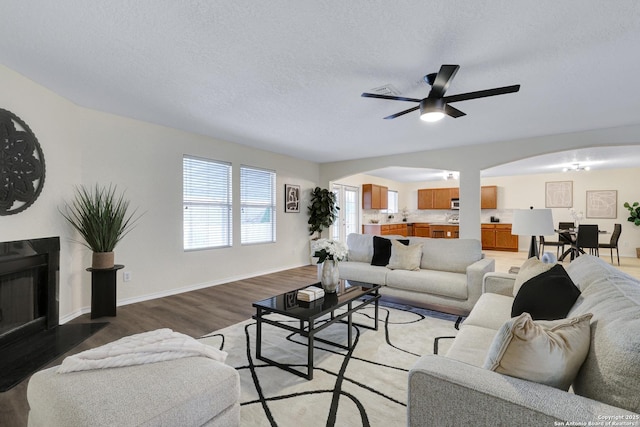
[(191, 391)]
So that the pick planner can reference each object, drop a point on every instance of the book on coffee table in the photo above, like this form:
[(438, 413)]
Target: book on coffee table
[(310, 293)]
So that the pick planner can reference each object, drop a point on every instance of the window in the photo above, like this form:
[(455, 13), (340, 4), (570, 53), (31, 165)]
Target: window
[(392, 202), (207, 221), (257, 205)]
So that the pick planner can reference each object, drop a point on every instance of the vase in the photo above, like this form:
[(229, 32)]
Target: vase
[(102, 260), (330, 276)]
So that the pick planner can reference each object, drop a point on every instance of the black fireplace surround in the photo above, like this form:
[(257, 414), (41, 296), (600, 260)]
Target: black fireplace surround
[(29, 284)]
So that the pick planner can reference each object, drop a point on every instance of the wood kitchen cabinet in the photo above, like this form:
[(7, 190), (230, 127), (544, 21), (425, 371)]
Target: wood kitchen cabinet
[(421, 229), (437, 198), (374, 196), (489, 197), (498, 237), (385, 229), (425, 198), (440, 198)]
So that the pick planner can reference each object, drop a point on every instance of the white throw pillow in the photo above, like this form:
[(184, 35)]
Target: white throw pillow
[(547, 352), (405, 257), (530, 269)]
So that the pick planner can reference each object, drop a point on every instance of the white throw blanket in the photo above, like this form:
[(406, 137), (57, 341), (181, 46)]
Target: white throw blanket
[(148, 347)]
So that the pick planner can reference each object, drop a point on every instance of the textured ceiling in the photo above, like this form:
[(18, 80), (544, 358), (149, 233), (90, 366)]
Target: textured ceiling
[(286, 76)]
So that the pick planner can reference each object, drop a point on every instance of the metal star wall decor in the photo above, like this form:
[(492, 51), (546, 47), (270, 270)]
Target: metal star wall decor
[(21, 165)]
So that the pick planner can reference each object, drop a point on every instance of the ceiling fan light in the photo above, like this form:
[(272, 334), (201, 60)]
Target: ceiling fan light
[(431, 109), (432, 116)]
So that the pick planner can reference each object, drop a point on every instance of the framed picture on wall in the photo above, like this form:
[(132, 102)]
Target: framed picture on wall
[(291, 198), (602, 204), (558, 194)]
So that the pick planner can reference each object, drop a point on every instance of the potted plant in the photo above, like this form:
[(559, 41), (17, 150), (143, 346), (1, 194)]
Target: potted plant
[(322, 209), (634, 217), (102, 218)]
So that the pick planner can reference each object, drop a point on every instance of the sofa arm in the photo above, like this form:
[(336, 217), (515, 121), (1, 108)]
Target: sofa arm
[(446, 392), (475, 273), (498, 283)]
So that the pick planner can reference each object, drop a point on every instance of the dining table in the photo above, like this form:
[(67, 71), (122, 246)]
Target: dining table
[(574, 251)]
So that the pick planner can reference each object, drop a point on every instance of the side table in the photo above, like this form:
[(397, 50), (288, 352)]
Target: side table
[(103, 291)]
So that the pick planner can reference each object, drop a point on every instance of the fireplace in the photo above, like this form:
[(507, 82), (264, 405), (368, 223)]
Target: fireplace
[(29, 275)]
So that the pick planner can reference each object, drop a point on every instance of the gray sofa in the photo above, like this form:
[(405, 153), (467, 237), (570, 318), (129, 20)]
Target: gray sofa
[(449, 278), (456, 390)]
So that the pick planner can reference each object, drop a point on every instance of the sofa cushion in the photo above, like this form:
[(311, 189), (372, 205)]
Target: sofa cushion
[(491, 311), (471, 345), (444, 283), (611, 371), (363, 272), (405, 257), (528, 270), (453, 255), (382, 250), (547, 296), (360, 247), (548, 352)]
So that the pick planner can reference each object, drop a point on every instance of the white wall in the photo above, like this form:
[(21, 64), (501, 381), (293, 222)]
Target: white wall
[(83, 146)]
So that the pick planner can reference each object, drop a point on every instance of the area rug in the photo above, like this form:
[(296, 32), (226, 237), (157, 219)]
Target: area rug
[(365, 386)]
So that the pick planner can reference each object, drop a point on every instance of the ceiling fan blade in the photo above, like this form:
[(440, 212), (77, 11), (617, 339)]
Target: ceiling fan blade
[(481, 93), (443, 80), (393, 98), (453, 112), (401, 113)]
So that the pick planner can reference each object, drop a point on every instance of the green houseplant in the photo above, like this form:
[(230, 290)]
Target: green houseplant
[(102, 218), (322, 209), (634, 217)]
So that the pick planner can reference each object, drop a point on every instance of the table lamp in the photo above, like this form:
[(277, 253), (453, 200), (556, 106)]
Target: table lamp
[(532, 222)]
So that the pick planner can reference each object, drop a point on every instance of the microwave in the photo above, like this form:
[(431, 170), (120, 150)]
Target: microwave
[(455, 204)]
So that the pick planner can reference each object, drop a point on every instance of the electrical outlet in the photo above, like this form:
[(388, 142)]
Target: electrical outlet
[(126, 276)]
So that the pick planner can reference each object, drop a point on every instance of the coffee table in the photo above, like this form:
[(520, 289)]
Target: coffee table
[(351, 297)]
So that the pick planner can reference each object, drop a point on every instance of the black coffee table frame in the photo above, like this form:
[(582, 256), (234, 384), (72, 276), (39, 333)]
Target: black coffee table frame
[(358, 296)]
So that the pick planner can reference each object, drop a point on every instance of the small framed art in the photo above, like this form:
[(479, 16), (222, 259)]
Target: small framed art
[(602, 204), (558, 194), (291, 198)]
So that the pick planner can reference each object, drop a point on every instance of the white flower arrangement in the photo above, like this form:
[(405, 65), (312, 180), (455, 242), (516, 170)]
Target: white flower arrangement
[(326, 249)]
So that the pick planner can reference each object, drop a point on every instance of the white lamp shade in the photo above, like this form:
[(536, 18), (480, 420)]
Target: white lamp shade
[(532, 222)]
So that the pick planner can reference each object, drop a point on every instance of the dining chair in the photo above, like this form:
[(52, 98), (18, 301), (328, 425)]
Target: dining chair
[(588, 238), (613, 244), (558, 244), (566, 225)]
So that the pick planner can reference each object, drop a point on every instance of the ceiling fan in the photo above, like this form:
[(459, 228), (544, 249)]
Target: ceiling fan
[(436, 105)]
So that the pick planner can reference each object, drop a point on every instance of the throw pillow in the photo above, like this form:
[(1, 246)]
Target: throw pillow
[(548, 353), (531, 268), (382, 250), (405, 257), (547, 296)]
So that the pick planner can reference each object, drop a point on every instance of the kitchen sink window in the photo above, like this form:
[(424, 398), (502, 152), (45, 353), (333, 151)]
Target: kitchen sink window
[(392, 202)]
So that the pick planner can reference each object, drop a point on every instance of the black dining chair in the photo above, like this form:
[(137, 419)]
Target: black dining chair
[(613, 244), (558, 244), (588, 239)]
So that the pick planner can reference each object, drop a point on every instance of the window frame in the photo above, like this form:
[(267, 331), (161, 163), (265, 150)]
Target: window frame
[(269, 205)]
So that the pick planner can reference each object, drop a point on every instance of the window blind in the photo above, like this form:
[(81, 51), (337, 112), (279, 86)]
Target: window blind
[(207, 220), (258, 205)]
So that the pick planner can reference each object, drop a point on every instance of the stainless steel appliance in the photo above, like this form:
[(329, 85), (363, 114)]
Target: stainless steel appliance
[(455, 204)]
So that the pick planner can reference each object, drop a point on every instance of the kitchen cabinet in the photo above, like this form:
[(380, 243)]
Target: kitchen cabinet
[(421, 229), (437, 198), (444, 231), (498, 237), (374, 196), (489, 197), (385, 229), (425, 198)]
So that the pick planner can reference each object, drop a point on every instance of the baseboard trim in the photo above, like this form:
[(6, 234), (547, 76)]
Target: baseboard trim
[(176, 291)]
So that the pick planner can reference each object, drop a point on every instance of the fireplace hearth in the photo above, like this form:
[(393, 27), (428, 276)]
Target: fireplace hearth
[(30, 334)]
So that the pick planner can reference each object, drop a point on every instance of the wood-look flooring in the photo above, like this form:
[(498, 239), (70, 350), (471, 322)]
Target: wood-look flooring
[(199, 312), (193, 313)]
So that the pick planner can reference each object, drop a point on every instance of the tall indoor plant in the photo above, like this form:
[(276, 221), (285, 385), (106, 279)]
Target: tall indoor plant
[(323, 210), (102, 217), (634, 217)]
